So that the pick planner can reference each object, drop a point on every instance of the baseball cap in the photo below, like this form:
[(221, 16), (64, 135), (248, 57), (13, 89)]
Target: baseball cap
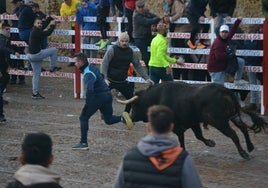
[(224, 28)]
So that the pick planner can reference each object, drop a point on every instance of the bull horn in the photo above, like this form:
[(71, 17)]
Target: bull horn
[(127, 101)]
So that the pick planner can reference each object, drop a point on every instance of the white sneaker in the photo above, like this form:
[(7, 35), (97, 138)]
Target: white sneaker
[(240, 82)]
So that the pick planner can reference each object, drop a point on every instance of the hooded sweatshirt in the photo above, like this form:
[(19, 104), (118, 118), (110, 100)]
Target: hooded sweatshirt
[(33, 175), (152, 146)]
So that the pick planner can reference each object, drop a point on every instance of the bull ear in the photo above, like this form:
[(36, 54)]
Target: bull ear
[(127, 101)]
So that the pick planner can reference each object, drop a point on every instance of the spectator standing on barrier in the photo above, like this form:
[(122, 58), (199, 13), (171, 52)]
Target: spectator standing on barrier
[(253, 61), (98, 97), (68, 9), (159, 62), (88, 8), (218, 57), (36, 157), (16, 63), (36, 54), (5, 51), (221, 11), (142, 33), (103, 10), (176, 10), (157, 155), (115, 65), (120, 5), (42, 16), (26, 18), (130, 6), (195, 12)]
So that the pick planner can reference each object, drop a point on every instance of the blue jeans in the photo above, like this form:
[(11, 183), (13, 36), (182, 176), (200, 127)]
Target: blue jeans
[(241, 64), (157, 73), (36, 62), (90, 40), (102, 102), (254, 95), (217, 77)]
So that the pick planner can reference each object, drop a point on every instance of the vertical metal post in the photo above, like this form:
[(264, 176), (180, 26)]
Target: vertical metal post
[(265, 66), (77, 72)]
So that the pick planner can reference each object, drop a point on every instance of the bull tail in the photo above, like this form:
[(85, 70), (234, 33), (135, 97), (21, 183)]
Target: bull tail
[(259, 123)]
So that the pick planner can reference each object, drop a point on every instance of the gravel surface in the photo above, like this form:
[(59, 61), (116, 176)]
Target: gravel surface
[(58, 114)]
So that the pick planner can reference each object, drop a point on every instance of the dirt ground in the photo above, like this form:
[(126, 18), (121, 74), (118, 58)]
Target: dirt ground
[(58, 114)]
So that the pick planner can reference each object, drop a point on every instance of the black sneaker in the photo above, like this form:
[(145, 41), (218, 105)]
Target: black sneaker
[(37, 96), (80, 146), (55, 69), (3, 119)]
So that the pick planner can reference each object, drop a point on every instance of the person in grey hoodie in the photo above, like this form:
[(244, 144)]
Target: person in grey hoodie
[(35, 159), (158, 160), (115, 65)]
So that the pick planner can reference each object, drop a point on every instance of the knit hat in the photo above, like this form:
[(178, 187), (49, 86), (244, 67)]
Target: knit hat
[(224, 28), (123, 36)]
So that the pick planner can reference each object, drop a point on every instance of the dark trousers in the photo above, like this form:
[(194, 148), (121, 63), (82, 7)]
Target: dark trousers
[(127, 90), (102, 102), (129, 15), (102, 13), (142, 44), (196, 27)]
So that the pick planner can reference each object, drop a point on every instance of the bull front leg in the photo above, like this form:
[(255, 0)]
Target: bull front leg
[(199, 135)]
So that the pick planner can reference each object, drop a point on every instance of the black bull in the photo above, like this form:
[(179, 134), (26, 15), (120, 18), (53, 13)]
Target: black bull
[(211, 104)]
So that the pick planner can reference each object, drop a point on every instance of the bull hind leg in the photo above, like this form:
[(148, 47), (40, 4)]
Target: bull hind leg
[(199, 135), (225, 129), (243, 127)]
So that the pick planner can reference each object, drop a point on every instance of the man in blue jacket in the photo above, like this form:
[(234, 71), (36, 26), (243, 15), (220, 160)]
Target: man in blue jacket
[(98, 97)]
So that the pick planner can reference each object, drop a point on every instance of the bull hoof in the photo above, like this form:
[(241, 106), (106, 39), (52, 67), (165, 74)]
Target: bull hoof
[(210, 143), (244, 154)]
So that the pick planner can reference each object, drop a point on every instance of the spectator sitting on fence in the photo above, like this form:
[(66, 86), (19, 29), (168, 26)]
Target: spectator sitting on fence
[(218, 57), (253, 61), (36, 54), (120, 6), (142, 33), (130, 8), (68, 9), (195, 12), (36, 158), (88, 8), (176, 10), (158, 160), (98, 97), (115, 66), (103, 10), (221, 11)]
